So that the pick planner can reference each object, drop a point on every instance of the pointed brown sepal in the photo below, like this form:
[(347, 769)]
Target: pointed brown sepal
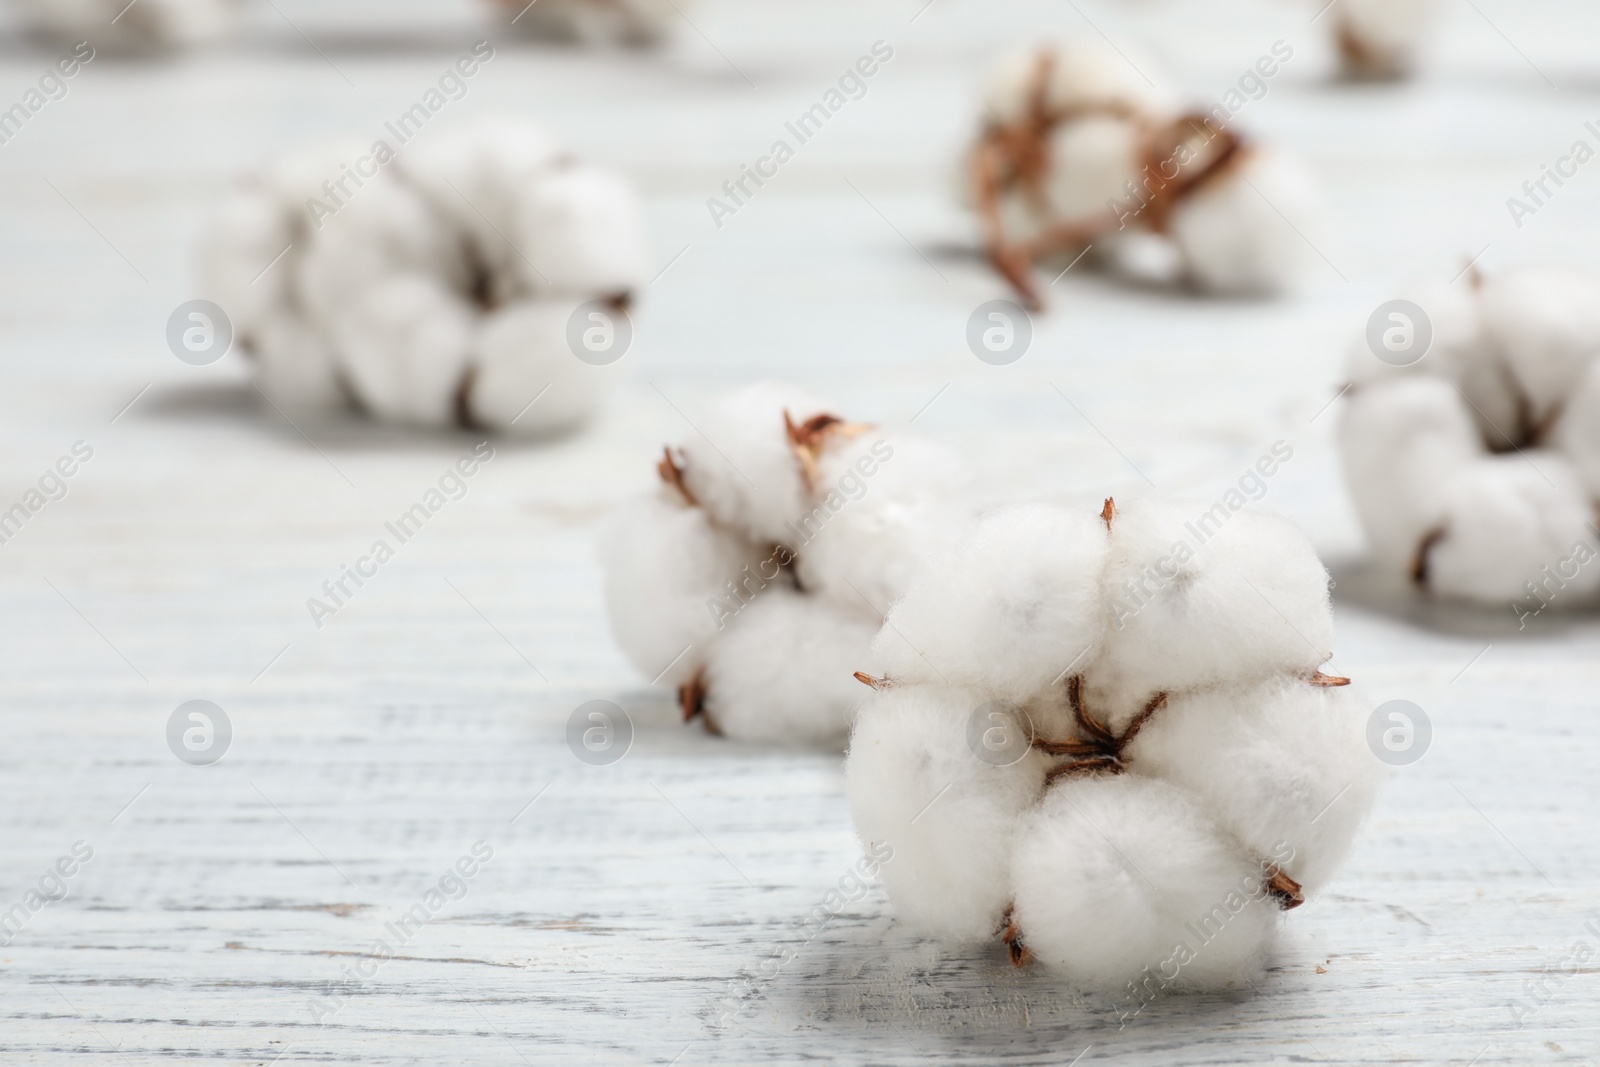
[(808, 439), (1109, 511), (876, 683), (1419, 562), (692, 696), (672, 474), (1286, 889), (1011, 934), (1328, 681)]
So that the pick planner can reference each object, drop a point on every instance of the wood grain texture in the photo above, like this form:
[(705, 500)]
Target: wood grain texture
[(627, 908)]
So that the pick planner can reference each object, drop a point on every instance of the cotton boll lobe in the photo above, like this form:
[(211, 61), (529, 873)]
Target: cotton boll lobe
[(914, 782), (581, 230), (1090, 164), (1507, 519), (885, 509), (1112, 874), (1402, 444), (1282, 765), (294, 366), (742, 466), (1250, 229), (1194, 598), (665, 564), (1380, 39), (246, 234), (525, 377), (404, 346), (782, 669), (1547, 322), (1009, 611)]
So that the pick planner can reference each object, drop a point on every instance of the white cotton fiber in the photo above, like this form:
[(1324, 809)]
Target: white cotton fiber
[(1381, 39), (1283, 766), (410, 275), (1008, 611), (665, 564), (1402, 443), (742, 465), (525, 380), (1117, 874), (783, 669), (1251, 229), (1506, 518), (1546, 321), (1196, 597), (915, 782)]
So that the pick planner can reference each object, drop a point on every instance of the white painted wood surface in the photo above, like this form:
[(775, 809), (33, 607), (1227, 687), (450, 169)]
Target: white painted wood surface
[(621, 906)]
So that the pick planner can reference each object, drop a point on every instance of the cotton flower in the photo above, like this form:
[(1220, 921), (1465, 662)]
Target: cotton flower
[(1476, 468), (1107, 740), (1381, 39), (117, 26), (1080, 151), (432, 284), (753, 576), (627, 22)]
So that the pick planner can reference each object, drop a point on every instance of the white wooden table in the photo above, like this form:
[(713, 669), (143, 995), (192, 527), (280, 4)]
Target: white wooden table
[(623, 902)]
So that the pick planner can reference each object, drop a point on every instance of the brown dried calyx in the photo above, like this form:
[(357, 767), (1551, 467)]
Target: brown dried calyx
[(1419, 562), (810, 438), (692, 699), (671, 473), (876, 683), (1108, 512), (1011, 934), (1284, 888), (1098, 749), (1176, 158)]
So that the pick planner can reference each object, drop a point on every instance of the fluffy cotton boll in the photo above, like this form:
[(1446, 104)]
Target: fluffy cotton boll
[(1576, 434), (915, 782), (149, 25), (665, 565), (295, 367), (1247, 230), (1461, 351), (741, 465), (246, 234), (1116, 874), (582, 231), (1193, 597), (783, 668), (1282, 765), (1381, 38), (404, 346), (1547, 321), (1402, 443), (1010, 610), (599, 22), (525, 377), (1509, 521), (886, 508)]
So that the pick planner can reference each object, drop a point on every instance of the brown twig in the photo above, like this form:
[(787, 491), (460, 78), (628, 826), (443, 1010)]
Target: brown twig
[(1286, 889), (1011, 934)]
